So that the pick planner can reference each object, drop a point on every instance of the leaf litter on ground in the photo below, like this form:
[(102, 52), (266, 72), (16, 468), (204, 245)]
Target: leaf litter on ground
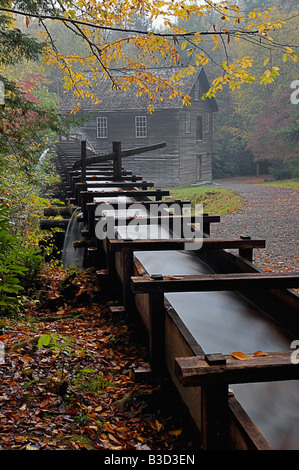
[(79, 391)]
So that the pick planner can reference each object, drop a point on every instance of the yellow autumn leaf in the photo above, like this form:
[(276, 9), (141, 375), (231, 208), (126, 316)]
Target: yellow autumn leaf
[(239, 355), (175, 432), (260, 353), (184, 45), (158, 425)]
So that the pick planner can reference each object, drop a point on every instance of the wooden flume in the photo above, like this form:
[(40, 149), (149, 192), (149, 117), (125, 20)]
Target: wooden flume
[(202, 380)]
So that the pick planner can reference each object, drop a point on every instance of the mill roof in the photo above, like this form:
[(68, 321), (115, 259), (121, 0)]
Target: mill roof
[(114, 99)]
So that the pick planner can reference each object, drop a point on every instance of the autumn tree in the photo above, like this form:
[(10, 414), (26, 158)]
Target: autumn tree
[(256, 125), (91, 20)]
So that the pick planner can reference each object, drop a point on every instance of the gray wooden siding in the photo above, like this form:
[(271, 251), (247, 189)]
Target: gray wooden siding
[(161, 166), (185, 160), (191, 149)]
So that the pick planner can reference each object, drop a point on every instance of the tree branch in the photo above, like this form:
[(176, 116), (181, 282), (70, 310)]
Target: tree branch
[(125, 30)]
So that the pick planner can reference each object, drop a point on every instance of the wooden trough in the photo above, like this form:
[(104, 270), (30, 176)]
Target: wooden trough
[(202, 379)]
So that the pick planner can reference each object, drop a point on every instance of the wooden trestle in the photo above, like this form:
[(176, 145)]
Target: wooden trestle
[(202, 380)]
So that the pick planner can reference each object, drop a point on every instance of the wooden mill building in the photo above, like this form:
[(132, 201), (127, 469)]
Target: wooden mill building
[(187, 131)]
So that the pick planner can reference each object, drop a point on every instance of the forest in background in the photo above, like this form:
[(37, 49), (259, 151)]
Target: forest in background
[(256, 128)]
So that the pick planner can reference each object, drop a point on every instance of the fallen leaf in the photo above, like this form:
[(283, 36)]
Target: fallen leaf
[(239, 355), (26, 359), (175, 433), (172, 277), (260, 353), (158, 425), (31, 447), (74, 445), (112, 438)]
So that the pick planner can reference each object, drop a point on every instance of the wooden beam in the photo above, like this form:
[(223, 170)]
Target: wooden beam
[(139, 150), (124, 153), (272, 366), (180, 244), (158, 193), (95, 183), (93, 160), (158, 219), (47, 224), (215, 282)]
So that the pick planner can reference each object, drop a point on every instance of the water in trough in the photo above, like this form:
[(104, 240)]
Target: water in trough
[(224, 322)]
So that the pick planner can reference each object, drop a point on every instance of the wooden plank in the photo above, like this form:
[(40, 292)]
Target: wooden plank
[(180, 244), (123, 192), (145, 245), (244, 432), (158, 219), (130, 204), (273, 366), (47, 224), (95, 183), (93, 160), (140, 150), (124, 153), (215, 282)]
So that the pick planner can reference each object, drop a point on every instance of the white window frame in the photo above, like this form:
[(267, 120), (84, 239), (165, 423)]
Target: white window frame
[(140, 127), (102, 127), (188, 122), (207, 123), (199, 116), (196, 90), (198, 167)]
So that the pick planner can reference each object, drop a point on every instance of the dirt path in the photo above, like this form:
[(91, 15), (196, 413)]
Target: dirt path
[(269, 213)]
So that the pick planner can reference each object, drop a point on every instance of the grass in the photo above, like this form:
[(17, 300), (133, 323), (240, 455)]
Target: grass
[(215, 200), (291, 184)]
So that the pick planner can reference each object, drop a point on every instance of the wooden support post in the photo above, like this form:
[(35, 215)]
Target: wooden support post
[(117, 161), (215, 417), (206, 226), (246, 253), (157, 330), (91, 222), (83, 161), (127, 271), (110, 261)]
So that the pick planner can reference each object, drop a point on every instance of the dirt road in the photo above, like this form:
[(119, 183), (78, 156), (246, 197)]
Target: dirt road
[(271, 213)]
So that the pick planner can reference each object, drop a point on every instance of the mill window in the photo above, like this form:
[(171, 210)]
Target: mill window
[(140, 126), (102, 127)]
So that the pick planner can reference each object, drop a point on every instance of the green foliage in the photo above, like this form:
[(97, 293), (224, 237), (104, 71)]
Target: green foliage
[(58, 343), (90, 380), (15, 44), (18, 265), (291, 184), (246, 139)]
